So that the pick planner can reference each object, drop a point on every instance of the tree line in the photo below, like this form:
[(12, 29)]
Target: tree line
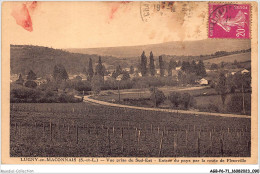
[(95, 77)]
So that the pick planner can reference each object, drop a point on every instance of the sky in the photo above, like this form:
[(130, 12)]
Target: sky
[(102, 24)]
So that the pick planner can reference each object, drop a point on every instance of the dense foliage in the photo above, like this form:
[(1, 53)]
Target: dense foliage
[(27, 95), (184, 99), (157, 96)]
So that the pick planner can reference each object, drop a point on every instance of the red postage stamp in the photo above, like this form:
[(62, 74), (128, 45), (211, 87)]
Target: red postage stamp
[(229, 21)]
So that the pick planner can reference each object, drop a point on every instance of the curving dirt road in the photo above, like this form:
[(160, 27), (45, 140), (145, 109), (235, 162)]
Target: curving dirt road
[(161, 88), (88, 99)]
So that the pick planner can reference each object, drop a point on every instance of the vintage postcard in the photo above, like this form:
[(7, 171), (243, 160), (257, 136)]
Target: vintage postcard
[(129, 82)]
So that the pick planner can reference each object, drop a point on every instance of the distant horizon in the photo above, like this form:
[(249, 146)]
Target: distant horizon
[(173, 48), (64, 48)]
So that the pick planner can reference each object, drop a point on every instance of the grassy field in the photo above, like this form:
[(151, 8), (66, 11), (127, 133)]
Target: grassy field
[(216, 100), (203, 97), (83, 129), (145, 93), (243, 57)]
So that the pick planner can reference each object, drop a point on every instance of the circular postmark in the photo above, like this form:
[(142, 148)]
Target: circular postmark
[(149, 8), (145, 10)]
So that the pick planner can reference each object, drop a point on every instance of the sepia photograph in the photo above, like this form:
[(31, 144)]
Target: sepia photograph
[(129, 79)]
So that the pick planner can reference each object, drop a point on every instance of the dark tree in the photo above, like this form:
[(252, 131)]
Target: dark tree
[(161, 65), (31, 75), (243, 83), (119, 70), (193, 67), (90, 69), (238, 104), (175, 98), (143, 64), (179, 63), (222, 64), (114, 74), (126, 75), (152, 66), (20, 80), (30, 84), (201, 71), (99, 68), (132, 70), (186, 100), (96, 83), (185, 66), (157, 96), (172, 66), (169, 71), (83, 86), (60, 73), (181, 77), (104, 70), (222, 87), (213, 66)]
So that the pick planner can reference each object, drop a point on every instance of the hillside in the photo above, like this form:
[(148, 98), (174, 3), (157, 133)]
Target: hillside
[(178, 48), (43, 59)]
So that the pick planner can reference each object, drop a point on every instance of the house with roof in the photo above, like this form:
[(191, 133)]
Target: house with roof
[(244, 71), (203, 82), (178, 68)]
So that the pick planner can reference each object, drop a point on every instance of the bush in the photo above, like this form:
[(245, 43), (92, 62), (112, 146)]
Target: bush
[(49, 94), (157, 96), (22, 93), (96, 84), (63, 98), (140, 84), (232, 89), (31, 75), (213, 66), (51, 86), (83, 86), (26, 95), (212, 85), (126, 84), (110, 84), (30, 84), (175, 98), (169, 81), (49, 97), (184, 99)]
